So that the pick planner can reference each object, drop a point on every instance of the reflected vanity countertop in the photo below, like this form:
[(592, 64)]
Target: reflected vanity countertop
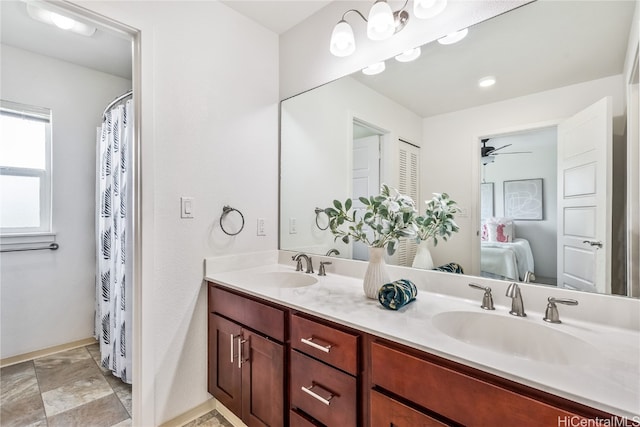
[(609, 380)]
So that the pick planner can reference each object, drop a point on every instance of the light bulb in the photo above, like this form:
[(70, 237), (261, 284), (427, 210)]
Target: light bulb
[(424, 9), (374, 69), (381, 24), (62, 22), (343, 42), (409, 55)]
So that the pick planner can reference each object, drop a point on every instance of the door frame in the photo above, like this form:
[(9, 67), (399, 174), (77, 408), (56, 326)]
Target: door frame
[(143, 379), (476, 172)]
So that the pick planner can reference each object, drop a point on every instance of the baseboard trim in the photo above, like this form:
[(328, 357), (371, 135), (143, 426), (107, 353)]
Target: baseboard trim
[(229, 416), (192, 414), (8, 361)]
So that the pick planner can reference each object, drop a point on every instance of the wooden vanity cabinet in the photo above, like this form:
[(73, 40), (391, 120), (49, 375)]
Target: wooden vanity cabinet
[(427, 390), (325, 374), (246, 367)]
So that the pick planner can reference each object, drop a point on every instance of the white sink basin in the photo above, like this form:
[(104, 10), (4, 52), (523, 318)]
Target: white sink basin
[(515, 337), (285, 279)]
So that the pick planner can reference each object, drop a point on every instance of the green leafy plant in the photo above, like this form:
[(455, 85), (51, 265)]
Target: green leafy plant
[(385, 219), (438, 219)]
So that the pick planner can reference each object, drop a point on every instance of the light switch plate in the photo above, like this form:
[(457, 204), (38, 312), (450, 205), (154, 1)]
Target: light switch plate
[(293, 226), (186, 207), (261, 231)]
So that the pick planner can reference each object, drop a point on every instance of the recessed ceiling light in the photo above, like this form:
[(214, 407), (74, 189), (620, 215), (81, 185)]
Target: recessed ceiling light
[(409, 55), (487, 81), (374, 69), (454, 37), (40, 12)]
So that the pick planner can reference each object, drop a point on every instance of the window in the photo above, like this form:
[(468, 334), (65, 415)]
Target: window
[(25, 169)]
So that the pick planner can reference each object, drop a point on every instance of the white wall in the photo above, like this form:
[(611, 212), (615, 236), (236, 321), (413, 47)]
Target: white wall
[(316, 138), (209, 105), (455, 136), (48, 296)]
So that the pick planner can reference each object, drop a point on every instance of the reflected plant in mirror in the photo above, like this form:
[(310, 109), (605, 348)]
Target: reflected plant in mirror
[(438, 219), (381, 223)]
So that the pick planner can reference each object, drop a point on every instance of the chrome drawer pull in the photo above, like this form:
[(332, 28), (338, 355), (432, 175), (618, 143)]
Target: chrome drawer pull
[(231, 338), (240, 358), (309, 342), (307, 390)]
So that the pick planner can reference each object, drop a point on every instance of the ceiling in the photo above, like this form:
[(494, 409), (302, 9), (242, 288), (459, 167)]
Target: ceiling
[(278, 16), (540, 46), (104, 51), (550, 47)]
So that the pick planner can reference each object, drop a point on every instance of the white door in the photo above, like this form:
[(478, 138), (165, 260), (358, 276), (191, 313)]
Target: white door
[(366, 179), (584, 199)]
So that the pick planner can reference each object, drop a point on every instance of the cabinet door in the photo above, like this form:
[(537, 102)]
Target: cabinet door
[(262, 381), (224, 374)]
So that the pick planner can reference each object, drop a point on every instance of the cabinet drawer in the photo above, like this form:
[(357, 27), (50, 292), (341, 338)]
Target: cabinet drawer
[(387, 412), (457, 396), (337, 389), (297, 420), (256, 315), (335, 347)]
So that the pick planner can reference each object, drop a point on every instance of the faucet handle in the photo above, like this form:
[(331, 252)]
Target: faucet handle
[(487, 299), (321, 271), (299, 264), (551, 314)]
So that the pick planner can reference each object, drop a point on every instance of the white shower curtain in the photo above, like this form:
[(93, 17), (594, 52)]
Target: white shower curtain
[(113, 237)]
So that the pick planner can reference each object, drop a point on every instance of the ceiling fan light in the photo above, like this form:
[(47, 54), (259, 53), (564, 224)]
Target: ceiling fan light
[(381, 23), (374, 69), (454, 37), (343, 42), (424, 9), (409, 55)]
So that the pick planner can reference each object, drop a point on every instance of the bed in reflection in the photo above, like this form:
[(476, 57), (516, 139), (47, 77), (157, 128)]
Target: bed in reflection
[(509, 260), (502, 255)]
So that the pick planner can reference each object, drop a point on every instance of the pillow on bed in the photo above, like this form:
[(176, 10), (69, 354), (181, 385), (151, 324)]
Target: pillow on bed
[(498, 230)]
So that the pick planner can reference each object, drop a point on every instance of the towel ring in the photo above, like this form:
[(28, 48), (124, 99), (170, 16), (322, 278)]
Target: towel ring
[(318, 212), (226, 210)]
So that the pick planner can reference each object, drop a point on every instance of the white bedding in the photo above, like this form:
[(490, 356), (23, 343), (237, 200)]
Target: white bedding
[(508, 260)]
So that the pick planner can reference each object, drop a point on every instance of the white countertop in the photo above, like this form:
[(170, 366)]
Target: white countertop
[(609, 380)]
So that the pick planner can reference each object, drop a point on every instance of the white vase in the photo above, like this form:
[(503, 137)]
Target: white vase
[(423, 257), (376, 274)]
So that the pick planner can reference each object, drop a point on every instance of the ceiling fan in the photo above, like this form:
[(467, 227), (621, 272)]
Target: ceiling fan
[(488, 153)]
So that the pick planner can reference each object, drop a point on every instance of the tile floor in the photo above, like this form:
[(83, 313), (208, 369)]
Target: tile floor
[(64, 389), (71, 389)]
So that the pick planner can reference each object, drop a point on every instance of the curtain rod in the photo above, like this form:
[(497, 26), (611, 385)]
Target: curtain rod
[(115, 101)]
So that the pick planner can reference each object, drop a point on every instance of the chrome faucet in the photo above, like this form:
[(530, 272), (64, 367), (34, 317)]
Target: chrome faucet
[(299, 257), (487, 299), (332, 252), (529, 277), (517, 306), (322, 271), (551, 314)]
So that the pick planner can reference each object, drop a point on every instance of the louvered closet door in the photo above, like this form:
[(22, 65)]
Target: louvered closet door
[(408, 184)]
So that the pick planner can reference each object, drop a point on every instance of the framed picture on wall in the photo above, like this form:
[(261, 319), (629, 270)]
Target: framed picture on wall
[(523, 199), (486, 200)]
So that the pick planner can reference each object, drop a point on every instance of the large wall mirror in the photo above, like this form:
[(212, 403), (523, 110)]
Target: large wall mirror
[(506, 153)]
